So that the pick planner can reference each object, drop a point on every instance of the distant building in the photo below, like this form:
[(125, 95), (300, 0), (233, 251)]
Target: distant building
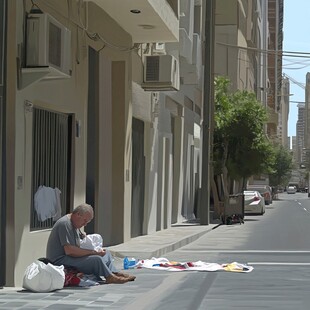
[(307, 112), (284, 112), (275, 20), (300, 133), (294, 149)]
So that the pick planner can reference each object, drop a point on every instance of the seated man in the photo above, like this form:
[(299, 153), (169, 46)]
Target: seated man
[(63, 248)]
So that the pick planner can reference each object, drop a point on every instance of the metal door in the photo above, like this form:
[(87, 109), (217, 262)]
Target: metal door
[(92, 134), (138, 178)]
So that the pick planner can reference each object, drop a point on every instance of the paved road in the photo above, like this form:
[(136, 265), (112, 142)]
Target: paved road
[(275, 244)]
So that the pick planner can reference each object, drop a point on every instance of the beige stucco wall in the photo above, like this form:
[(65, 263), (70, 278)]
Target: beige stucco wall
[(226, 53), (65, 95), (70, 96), (226, 12), (113, 188)]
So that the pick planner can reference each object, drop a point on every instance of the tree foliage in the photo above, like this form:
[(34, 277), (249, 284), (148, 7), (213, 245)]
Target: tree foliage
[(282, 167), (240, 143)]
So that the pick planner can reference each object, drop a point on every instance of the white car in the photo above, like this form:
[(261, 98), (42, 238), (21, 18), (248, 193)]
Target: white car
[(291, 190), (265, 191), (254, 202)]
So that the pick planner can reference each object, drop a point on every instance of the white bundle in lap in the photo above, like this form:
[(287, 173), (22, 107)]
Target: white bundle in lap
[(92, 242), (40, 277)]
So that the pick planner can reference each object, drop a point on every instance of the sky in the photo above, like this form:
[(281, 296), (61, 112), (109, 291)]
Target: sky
[(296, 32)]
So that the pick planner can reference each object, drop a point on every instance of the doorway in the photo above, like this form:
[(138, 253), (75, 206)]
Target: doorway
[(138, 178), (92, 134)]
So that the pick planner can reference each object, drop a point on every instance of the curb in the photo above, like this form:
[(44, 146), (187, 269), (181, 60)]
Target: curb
[(146, 246)]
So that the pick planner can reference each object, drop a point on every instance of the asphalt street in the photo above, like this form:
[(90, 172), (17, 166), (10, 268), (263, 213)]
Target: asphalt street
[(275, 244)]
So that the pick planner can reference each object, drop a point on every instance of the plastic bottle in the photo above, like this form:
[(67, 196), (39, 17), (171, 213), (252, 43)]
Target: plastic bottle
[(129, 262), (126, 263), (132, 263)]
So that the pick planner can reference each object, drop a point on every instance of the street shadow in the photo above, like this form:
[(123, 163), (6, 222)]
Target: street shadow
[(185, 225), (57, 292), (195, 222)]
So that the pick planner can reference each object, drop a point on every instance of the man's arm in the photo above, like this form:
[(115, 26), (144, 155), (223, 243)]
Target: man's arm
[(74, 251)]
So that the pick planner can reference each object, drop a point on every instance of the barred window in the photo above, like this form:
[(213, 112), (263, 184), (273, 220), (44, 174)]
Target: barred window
[(51, 151)]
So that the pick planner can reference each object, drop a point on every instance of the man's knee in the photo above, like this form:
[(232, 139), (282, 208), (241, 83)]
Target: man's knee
[(108, 253), (95, 259)]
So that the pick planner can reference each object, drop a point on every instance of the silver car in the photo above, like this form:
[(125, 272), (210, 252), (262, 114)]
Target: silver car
[(291, 190), (254, 202)]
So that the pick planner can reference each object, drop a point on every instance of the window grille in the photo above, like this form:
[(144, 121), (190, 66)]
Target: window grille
[(50, 159)]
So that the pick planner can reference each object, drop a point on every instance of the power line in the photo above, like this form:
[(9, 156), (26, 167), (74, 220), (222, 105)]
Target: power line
[(272, 52), (289, 63), (292, 101)]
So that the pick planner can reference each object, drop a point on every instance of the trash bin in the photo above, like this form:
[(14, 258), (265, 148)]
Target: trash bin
[(234, 212)]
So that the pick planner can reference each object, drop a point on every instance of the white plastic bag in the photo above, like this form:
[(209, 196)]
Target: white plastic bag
[(40, 277), (92, 242)]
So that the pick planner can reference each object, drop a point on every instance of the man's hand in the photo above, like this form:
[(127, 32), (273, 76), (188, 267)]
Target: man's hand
[(74, 251), (100, 252)]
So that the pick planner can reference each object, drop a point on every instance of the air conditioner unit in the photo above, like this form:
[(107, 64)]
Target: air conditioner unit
[(158, 49), (48, 44), (161, 73)]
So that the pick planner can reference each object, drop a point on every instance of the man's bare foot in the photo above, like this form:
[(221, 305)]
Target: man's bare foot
[(114, 279), (125, 275)]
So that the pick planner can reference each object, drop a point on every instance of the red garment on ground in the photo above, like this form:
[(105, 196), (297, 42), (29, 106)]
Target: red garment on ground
[(72, 277)]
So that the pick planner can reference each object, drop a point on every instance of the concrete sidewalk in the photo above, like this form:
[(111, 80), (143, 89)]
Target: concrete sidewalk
[(161, 242), (106, 296)]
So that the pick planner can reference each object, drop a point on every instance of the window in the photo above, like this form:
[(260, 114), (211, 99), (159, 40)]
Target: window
[(51, 164)]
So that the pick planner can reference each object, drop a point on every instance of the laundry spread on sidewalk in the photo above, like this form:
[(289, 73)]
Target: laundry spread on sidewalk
[(165, 264)]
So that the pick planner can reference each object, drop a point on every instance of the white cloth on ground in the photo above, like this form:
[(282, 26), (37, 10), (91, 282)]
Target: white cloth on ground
[(165, 264)]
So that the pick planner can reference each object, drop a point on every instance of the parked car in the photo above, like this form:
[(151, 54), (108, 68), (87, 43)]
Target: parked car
[(265, 191), (291, 190), (254, 202)]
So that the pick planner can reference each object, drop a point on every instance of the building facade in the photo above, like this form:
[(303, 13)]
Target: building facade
[(300, 134), (101, 126), (248, 50), (275, 20), (284, 113), (307, 111), (236, 56)]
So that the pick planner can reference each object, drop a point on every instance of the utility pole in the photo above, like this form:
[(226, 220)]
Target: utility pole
[(208, 111), (3, 47)]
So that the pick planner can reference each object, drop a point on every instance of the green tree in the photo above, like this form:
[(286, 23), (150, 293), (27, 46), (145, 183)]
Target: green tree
[(282, 167), (249, 150), (240, 146)]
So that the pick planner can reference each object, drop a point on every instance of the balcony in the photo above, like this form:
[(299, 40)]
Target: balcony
[(191, 62), (186, 46), (145, 20)]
